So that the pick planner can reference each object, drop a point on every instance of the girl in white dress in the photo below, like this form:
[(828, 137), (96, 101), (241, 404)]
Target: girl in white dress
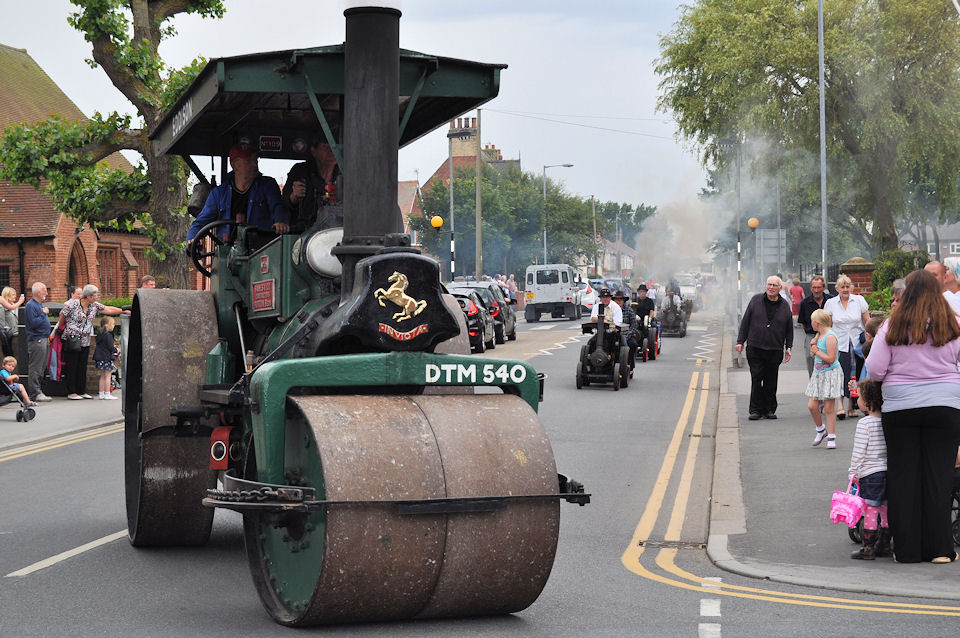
[(826, 382)]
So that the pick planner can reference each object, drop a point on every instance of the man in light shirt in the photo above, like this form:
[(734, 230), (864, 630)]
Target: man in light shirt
[(612, 313), (951, 285)]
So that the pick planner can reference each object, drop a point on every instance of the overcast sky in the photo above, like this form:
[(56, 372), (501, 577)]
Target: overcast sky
[(584, 63)]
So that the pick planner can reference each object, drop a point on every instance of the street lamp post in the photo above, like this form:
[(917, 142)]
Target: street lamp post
[(459, 134), (736, 144), (545, 205)]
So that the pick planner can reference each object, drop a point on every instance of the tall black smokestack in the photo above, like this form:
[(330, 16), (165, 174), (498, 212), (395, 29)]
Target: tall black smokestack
[(370, 132)]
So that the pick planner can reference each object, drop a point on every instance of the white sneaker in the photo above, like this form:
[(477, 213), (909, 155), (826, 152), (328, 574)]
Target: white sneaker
[(832, 444), (110, 397), (43, 397)]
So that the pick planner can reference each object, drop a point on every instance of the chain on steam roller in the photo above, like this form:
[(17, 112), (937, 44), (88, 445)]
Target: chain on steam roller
[(324, 379)]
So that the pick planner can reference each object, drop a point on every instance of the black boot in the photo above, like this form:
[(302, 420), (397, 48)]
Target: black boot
[(867, 552), (884, 546)]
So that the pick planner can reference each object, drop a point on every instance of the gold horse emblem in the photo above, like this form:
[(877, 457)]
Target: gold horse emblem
[(395, 293)]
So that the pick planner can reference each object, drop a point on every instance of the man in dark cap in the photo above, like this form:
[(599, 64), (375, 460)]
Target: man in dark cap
[(311, 187), (246, 196), (612, 313)]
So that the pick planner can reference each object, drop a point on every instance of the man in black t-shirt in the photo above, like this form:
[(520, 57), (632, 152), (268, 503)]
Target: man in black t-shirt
[(645, 307), (814, 301)]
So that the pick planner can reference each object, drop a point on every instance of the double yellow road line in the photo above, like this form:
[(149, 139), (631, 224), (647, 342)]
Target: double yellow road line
[(666, 556), (69, 439)]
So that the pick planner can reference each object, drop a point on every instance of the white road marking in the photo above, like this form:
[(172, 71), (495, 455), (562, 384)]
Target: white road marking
[(714, 582), (53, 560), (709, 608), (708, 630), (697, 328), (545, 327)]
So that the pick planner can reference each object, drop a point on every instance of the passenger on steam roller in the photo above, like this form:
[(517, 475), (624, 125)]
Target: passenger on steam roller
[(311, 187)]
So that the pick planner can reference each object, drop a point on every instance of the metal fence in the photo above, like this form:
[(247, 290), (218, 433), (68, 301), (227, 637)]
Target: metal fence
[(808, 270)]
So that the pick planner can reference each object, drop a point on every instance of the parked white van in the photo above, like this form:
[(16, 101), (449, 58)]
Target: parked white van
[(551, 289)]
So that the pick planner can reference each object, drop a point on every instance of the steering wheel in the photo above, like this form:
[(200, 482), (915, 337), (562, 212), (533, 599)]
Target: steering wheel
[(198, 254)]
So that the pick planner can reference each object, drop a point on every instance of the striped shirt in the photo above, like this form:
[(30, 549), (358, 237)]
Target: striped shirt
[(869, 448)]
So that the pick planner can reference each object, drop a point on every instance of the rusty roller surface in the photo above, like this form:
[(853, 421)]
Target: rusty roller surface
[(378, 564), (456, 345), (171, 332)]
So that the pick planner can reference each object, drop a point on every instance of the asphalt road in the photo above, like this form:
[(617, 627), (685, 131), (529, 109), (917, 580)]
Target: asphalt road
[(645, 453)]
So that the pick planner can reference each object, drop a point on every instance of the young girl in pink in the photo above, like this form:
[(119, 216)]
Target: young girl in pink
[(868, 465), (826, 382)]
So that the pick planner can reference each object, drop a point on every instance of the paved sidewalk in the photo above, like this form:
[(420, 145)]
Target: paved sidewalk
[(56, 418), (772, 490)]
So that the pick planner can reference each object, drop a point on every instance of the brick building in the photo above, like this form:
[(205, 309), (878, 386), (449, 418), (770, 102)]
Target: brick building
[(463, 136), (37, 242)]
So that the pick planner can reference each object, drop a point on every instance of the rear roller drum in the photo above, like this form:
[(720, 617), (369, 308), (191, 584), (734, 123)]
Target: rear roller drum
[(368, 563), (166, 476)]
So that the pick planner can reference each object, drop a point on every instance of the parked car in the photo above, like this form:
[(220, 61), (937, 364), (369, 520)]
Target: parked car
[(551, 288), (480, 325), (588, 296), (501, 308), (619, 283)]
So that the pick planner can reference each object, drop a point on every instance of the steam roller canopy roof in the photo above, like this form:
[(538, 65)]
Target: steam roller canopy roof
[(267, 94)]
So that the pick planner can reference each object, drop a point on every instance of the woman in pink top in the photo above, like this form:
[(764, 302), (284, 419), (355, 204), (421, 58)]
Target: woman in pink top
[(796, 293), (915, 356)]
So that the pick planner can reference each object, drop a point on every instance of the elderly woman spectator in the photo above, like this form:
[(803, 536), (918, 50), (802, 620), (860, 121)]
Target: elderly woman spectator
[(915, 356), (850, 314), (76, 323), (896, 291)]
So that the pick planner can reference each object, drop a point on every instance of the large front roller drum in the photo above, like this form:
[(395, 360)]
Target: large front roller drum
[(166, 476), (354, 563)]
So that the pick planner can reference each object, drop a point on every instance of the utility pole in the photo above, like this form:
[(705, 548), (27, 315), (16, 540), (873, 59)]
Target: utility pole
[(544, 216), (823, 144), (779, 252), (593, 210), (479, 215)]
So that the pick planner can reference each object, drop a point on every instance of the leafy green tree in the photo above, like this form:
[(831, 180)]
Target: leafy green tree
[(125, 36), (747, 69), (513, 216), (895, 264)]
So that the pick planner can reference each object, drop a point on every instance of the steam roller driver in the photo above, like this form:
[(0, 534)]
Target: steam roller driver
[(246, 196), (612, 315)]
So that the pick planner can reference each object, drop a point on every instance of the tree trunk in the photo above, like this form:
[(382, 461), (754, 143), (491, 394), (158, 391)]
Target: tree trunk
[(167, 200), (880, 181)]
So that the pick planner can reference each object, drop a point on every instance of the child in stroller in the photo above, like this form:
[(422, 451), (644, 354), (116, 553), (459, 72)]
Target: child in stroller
[(15, 390)]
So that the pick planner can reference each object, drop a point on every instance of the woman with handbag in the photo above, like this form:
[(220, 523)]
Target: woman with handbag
[(76, 322), (915, 356)]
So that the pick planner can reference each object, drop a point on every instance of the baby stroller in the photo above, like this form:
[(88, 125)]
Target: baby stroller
[(8, 395)]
